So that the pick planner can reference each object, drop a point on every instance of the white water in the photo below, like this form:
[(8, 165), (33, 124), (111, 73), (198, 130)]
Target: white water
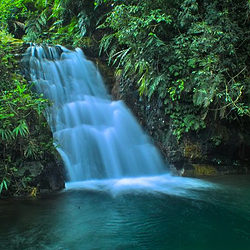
[(159, 184), (98, 138)]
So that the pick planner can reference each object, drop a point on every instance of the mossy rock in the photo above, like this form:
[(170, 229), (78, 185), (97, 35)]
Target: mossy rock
[(200, 170), (192, 151), (32, 169), (33, 178)]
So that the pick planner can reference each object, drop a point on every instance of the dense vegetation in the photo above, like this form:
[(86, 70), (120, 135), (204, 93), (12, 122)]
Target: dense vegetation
[(24, 133), (188, 59), (190, 56)]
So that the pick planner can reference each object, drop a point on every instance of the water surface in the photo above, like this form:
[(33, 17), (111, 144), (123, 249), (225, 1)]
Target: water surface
[(129, 214)]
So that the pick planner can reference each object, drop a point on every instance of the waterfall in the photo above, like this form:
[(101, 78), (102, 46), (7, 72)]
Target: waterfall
[(97, 138)]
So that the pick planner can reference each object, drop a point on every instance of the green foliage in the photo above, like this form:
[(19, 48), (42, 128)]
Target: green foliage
[(137, 29), (71, 21), (50, 21), (34, 27), (24, 133), (9, 10), (187, 58), (190, 55), (72, 33)]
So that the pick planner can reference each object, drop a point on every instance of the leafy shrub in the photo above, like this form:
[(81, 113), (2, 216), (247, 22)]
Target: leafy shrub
[(24, 133), (189, 54)]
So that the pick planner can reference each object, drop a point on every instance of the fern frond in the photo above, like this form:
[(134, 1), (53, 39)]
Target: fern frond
[(34, 27), (22, 129), (83, 23), (112, 51), (128, 66), (156, 82), (6, 134), (121, 56), (31, 150), (106, 42), (143, 85), (154, 41)]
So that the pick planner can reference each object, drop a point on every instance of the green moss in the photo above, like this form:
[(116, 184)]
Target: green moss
[(204, 170)]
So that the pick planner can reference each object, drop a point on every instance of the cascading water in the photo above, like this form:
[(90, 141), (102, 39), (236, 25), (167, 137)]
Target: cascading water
[(97, 138)]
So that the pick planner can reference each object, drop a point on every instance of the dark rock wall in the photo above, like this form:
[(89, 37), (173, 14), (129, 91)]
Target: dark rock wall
[(220, 148), (43, 177)]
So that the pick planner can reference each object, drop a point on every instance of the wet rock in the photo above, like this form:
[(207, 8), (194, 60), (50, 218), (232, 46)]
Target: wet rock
[(223, 147), (40, 177), (51, 178), (220, 148), (192, 151), (200, 170), (176, 172)]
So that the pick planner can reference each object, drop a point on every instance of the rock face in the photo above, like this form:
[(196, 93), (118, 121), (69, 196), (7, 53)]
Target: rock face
[(50, 178), (36, 177), (222, 148)]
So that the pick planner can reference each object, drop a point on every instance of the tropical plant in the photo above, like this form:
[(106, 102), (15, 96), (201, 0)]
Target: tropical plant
[(189, 55), (24, 133)]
